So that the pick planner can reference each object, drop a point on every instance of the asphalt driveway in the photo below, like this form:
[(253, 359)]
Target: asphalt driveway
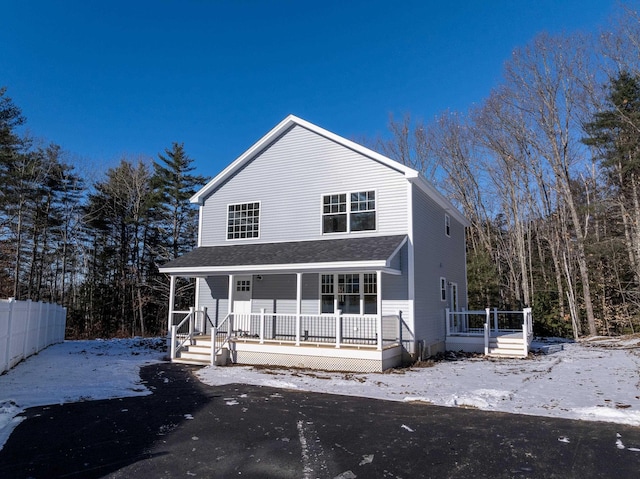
[(187, 429)]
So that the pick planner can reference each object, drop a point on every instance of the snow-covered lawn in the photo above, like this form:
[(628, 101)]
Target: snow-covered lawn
[(595, 380), (75, 371)]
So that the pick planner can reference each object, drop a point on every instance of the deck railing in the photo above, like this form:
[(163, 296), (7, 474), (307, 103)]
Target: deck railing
[(490, 323)]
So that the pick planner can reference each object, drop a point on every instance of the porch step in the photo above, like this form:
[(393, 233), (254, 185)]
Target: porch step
[(506, 346), (195, 362), (200, 353)]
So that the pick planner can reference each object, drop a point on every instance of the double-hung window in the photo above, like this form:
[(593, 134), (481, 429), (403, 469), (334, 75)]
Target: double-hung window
[(354, 293), (243, 221), (347, 212), (334, 213), (363, 211)]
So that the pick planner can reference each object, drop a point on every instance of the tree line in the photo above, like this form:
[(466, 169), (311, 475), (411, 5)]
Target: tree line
[(547, 169), (93, 247)]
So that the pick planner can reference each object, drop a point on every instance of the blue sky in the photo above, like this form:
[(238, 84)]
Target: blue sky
[(107, 79)]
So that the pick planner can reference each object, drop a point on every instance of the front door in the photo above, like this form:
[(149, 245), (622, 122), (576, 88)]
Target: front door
[(242, 303)]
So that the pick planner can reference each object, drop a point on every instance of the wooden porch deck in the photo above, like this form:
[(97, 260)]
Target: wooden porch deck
[(314, 355)]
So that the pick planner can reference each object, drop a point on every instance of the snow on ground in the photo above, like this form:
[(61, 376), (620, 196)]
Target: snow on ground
[(595, 380), (598, 380), (75, 371)]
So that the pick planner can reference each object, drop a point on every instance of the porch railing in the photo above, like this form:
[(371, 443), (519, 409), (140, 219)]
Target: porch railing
[(337, 329), (489, 323)]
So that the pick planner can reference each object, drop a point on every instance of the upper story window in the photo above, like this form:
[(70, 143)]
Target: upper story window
[(347, 212), (243, 221), (447, 225)]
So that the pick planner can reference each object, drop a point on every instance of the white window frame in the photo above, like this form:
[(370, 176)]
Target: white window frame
[(447, 225), (443, 289), (361, 294), (228, 219), (349, 211)]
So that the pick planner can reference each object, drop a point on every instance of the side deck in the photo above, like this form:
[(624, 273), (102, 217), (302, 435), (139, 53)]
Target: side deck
[(490, 332)]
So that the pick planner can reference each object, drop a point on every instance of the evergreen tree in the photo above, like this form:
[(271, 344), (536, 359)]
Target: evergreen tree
[(175, 222), (614, 134), (174, 184)]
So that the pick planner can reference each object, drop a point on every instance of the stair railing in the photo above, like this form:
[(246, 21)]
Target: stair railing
[(178, 338), (224, 328)]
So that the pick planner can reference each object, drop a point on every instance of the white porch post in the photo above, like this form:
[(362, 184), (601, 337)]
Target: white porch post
[(172, 293), (231, 289), (379, 307), (230, 326), (262, 311), (338, 328), (487, 326), (298, 306), (447, 316)]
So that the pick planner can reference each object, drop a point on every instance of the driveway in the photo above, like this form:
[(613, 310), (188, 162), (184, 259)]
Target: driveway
[(187, 429)]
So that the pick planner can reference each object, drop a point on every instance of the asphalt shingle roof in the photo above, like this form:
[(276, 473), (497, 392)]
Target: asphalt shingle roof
[(375, 248)]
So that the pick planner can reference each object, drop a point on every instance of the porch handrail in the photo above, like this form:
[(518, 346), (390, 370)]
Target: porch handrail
[(215, 347), (490, 316), (175, 347)]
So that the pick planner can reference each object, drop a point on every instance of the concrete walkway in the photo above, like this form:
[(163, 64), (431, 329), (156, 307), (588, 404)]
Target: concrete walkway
[(187, 429)]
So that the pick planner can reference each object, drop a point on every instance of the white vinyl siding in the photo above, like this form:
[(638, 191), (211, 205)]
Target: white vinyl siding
[(289, 179), (213, 294), (438, 258)]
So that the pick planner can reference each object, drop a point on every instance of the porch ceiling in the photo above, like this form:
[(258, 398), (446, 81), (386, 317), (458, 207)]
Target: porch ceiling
[(361, 254)]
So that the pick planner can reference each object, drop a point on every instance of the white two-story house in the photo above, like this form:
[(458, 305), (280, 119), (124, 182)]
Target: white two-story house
[(314, 251)]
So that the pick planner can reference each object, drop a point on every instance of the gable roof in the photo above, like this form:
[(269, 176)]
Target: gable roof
[(291, 121), (361, 253)]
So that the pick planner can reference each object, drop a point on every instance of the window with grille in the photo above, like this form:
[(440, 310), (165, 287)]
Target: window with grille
[(354, 293), (347, 212), (243, 221)]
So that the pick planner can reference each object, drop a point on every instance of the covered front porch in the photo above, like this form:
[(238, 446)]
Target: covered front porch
[(315, 314), (364, 343)]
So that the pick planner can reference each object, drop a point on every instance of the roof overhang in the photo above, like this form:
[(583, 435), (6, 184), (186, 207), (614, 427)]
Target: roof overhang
[(203, 271), (335, 255)]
